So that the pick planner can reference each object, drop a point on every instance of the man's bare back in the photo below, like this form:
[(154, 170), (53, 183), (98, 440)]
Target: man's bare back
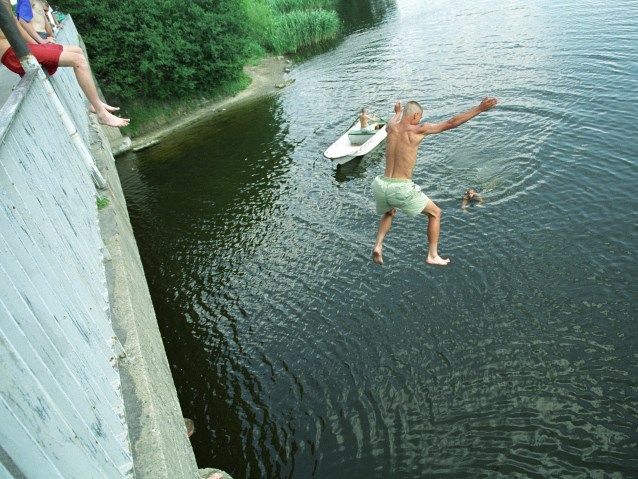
[(402, 145)]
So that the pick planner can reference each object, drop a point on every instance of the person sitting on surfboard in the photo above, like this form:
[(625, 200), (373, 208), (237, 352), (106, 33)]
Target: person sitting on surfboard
[(395, 188)]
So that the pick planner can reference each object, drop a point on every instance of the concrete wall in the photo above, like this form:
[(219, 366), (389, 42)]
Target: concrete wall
[(85, 386), (61, 406)]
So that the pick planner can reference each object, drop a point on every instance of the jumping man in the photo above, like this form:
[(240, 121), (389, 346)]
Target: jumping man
[(395, 188)]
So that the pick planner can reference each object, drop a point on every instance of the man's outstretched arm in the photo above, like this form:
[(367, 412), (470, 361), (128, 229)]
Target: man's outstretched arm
[(432, 128)]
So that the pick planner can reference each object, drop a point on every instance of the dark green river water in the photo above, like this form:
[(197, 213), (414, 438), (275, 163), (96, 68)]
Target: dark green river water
[(298, 357)]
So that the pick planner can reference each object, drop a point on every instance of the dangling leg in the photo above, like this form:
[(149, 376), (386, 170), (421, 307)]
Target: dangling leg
[(434, 227), (108, 108), (71, 57), (384, 226)]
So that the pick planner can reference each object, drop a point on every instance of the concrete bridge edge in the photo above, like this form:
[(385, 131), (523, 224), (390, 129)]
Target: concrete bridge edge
[(160, 444)]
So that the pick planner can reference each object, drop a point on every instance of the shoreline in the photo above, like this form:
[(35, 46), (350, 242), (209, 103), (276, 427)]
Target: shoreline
[(267, 78)]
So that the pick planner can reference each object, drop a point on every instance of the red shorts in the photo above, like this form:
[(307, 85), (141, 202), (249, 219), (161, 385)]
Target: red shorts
[(48, 55)]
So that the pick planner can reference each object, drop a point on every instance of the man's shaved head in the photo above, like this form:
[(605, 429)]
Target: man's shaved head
[(411, 108)]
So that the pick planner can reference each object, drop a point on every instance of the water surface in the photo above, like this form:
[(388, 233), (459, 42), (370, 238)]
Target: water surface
[(298, 357)]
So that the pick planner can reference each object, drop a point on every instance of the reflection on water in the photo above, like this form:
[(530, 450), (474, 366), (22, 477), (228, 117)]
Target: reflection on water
[(298, 357), (364, 14), (359, 167)]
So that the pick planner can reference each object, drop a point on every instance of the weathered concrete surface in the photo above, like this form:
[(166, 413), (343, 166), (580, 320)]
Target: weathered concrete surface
[(61, 408), (8, 81), (161, 447)]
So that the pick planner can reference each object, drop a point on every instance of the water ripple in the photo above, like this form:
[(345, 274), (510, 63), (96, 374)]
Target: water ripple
[(298, 357)]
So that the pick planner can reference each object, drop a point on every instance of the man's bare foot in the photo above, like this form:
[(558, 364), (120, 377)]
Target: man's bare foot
[(376, 255), (437, 260), (106, 107), (106, 118)]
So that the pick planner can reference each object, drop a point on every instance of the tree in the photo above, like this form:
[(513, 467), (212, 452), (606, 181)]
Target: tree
[(162, 49)]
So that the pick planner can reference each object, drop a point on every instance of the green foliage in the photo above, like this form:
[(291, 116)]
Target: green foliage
[(297, 28), (283, 6), (285, 26), (102, 202), (164, 48), (151, 114), (258, 20), (167, 55)]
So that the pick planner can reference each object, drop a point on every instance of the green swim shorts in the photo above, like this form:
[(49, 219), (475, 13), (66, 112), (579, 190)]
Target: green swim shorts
[(398, 193)]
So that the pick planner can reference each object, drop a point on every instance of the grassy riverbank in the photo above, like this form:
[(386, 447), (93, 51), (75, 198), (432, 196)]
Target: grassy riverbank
[(150, 115), (265, 77)]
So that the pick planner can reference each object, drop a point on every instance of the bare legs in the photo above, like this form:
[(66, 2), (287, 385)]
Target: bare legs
[(434, 228), (433, 213), (73, 56), (384, 227), (108, 108)]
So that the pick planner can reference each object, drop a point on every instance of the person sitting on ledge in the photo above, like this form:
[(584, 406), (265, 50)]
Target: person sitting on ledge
[(50, 16), (51, 56), (40, 21), (28, 20)]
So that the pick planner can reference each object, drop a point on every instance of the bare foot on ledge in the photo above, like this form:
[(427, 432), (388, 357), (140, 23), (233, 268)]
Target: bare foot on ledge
[(108, 119)]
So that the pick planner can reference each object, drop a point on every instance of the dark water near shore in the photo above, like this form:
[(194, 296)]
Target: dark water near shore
[(297, 357)]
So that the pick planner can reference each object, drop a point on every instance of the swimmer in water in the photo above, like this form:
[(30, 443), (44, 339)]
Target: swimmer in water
[(471, 197)]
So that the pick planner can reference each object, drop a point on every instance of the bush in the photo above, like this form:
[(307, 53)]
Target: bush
[(166, 57), (164, 48)]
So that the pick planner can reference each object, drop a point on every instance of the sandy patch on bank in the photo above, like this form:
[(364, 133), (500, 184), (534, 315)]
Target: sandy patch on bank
[(267, 78)]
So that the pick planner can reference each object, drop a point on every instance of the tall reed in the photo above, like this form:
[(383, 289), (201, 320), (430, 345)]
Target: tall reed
[(284, 6), (295, 29)]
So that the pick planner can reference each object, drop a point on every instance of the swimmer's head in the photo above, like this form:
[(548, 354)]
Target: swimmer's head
[(470, 193)]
